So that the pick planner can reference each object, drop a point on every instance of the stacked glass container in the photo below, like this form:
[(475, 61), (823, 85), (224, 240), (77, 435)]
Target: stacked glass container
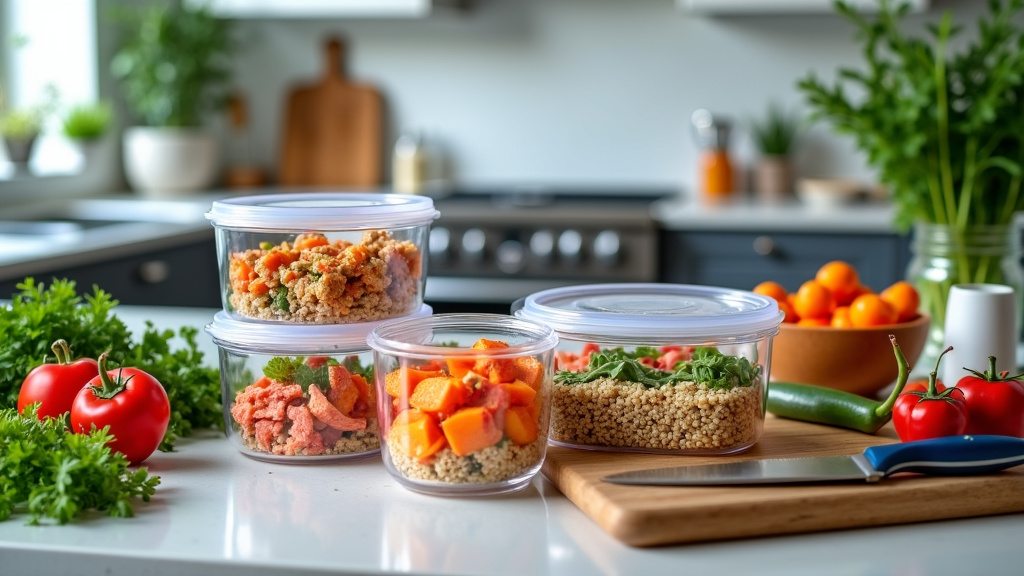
[(305, 278)]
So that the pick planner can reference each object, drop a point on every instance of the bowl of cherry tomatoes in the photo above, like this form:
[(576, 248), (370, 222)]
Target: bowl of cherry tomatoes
[(836, 330)]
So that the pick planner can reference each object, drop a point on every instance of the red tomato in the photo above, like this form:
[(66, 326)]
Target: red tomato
[(131, 402), (54, 386), (995, 403), (931, 413)]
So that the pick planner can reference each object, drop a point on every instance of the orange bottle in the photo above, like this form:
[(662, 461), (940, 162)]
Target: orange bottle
[(715, 173)]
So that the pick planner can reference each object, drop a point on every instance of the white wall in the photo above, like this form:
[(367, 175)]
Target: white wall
[(567, 92)]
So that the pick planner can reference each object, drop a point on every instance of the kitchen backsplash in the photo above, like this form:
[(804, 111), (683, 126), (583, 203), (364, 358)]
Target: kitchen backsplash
[(565, 92)]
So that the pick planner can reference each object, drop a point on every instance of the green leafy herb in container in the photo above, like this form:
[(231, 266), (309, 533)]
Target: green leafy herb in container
[(87, 122), (945, 132)]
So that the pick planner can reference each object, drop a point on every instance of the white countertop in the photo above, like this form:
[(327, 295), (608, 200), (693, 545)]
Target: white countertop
[(218, 512), (744, 215)]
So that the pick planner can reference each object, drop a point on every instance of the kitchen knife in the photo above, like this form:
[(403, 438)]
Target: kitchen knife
[(949, 456)]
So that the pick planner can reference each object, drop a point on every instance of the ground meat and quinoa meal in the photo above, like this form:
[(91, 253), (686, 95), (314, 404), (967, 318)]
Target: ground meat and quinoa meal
[(315, 280), (459, 421), (673, 398), (310, 406)]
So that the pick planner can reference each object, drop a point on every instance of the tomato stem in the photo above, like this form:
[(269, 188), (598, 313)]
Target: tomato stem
[(991, 375), (934, 374), (885, 409), (111, 386), (63, 352)]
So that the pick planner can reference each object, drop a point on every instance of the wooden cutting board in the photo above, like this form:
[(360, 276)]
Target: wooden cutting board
[(333, 130), (657, 515)]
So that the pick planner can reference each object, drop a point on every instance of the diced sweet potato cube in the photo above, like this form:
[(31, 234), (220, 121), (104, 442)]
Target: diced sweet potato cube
[(496, 369), (416, 434), (519, 393), (459, 367), (530, 370), (401, 383), (440, 395), (471, 429), (520, 425)]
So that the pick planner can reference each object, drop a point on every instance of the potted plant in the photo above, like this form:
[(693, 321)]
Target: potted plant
[(86, 124), (774, 135), (173, 71), (946, 134), (19, 129)]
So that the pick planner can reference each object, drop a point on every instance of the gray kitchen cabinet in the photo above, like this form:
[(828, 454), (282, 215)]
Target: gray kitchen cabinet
[(182, 275), (744, 259)]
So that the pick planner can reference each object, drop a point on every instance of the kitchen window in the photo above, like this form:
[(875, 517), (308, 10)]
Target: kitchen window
[(48, 60)]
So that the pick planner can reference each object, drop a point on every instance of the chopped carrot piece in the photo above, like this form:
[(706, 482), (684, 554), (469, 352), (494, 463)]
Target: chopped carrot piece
[(530, 371), (485, 344), (307, 241), (258, 286), (471, 429), (520, 425), (276, 259), (357, 254), (440, 395), (240, 275), (520, 393)]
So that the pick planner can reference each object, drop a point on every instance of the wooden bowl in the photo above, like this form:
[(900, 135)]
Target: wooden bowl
[(858, 360)]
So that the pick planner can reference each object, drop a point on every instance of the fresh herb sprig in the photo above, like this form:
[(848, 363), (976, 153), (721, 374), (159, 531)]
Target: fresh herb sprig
[(296, 371), (707, 366), (51, 473), (945, 132)]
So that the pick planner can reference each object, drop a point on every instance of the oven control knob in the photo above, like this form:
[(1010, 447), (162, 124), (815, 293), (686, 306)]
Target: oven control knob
[(607, 247), (474, 242), (439, 243), (510, 256), (542, 244), (570, 245)]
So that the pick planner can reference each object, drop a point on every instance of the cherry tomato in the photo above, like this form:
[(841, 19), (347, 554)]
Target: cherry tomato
[(930, 414), (131, 402), (995, 402), (54, 386)]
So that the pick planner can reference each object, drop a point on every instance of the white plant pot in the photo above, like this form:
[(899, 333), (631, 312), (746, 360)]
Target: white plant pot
[(161, 162)]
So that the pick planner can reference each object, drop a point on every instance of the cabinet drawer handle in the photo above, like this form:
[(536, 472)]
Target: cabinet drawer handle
[(764, 246)]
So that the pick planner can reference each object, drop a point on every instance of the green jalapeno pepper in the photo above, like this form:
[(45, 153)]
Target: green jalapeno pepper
[(832, 407)]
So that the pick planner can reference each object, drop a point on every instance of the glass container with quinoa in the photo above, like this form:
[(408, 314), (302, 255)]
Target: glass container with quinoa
[(298, 393), (322, 258), (662, 368), (463, 401)]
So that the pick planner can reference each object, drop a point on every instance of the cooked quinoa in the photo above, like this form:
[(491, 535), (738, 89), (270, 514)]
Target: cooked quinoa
[(331, 282), (684, 416), (503, 461)]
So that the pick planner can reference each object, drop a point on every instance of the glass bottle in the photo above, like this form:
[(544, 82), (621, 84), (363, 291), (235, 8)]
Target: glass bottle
[(715, 170), (943, 256)]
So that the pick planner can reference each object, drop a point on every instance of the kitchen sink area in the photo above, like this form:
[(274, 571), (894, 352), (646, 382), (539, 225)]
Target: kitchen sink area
[(48, 229)]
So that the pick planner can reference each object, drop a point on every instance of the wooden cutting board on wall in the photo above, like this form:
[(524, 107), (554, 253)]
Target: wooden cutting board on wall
[(333, 130), (658, 515)]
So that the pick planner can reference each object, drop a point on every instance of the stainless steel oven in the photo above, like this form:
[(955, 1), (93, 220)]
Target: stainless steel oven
[(489, 249)]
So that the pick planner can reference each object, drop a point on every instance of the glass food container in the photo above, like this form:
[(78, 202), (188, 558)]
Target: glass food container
[(463, 401), (322, 258), (296, 393), (662, 368)]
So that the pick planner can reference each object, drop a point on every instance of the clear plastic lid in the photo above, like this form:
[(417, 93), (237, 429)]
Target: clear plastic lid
[(323, 211), (649, 312), (247, 336)]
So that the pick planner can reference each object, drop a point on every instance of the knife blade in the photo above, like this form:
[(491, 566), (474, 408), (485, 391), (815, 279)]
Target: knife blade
[(948, 456)]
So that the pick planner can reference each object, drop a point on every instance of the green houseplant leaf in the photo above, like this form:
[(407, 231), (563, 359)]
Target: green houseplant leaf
[(944, 130), (172, 63)]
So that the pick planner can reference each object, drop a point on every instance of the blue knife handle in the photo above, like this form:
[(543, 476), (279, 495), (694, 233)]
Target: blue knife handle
[(948, 456)]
